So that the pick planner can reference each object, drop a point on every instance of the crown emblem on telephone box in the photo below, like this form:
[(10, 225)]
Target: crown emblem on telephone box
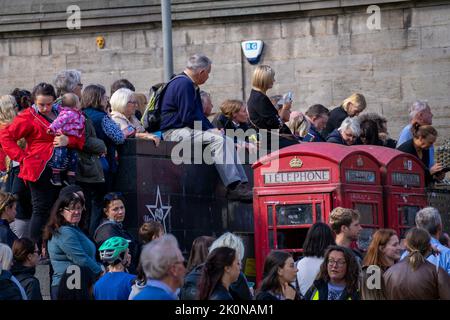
[(295, 163)]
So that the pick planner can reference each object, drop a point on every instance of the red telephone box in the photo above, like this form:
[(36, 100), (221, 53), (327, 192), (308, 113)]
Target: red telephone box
[(299, 185), (403, 180)]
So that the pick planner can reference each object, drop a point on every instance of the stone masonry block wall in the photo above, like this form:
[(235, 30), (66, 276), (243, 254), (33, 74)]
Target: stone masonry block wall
[(321, 58)]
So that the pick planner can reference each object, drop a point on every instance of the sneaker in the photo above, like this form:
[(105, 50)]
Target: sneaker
[(56, 180), (240, 193)]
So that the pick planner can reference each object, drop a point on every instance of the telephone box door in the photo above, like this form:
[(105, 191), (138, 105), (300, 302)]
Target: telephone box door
[(283, 222)]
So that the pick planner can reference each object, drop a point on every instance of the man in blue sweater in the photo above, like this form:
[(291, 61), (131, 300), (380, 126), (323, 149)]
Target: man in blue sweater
[(182, 119)]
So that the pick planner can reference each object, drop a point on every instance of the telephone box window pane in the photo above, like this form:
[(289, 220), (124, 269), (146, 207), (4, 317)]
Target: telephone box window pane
[(291, 238), (294, 214), (366, 210), (358, 176), (318, 212), (365, 237), (407, 215), (269, 216), (271, 244)]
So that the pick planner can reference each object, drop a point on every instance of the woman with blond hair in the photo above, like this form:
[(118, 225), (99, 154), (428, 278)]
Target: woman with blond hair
[(13, 183), (384, 251), (414, 278), (298, 124), (350, 107), (233, 115), (262, 113), (7, 114)]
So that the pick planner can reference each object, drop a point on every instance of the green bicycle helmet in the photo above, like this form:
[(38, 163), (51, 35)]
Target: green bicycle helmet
[(112, 249)]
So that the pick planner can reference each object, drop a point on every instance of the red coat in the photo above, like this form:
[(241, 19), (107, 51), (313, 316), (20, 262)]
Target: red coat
[(39, 149)]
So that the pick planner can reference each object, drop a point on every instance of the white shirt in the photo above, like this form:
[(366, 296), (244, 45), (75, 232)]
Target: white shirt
[(308, 268)]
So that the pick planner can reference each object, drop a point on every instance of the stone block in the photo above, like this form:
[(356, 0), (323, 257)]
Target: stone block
[(335, 66), (25, 46), (374, 89), (356, 23), (295, 28), (134, 40), (426, 86), (4, 47), (198, 35), (262, 30), (430, 16), (325, 25), (425, 61), (225, 74), (33, 65), (436, 36), (379, 41), (143, 79)]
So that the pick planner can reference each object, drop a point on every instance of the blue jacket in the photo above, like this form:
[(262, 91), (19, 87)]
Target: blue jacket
[(154, 293), (8, 288), (70, 246), (181, 105), (6, 235), (335, 137), (98, 120)]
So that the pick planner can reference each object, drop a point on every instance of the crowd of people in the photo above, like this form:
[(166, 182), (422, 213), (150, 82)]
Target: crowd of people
[(63, 134)]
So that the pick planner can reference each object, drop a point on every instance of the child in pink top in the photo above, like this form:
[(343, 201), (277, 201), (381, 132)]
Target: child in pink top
[(70, 122)]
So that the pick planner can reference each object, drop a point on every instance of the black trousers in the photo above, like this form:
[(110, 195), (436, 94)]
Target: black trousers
[(93, 193), (43, 196)]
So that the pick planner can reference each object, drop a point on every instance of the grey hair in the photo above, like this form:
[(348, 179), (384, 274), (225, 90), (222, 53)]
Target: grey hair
[(198, 62), (5, 257), (119, 99), (429, 219), (159, 255), (417, 107), (352, 124), (66, 81), (231, 241)]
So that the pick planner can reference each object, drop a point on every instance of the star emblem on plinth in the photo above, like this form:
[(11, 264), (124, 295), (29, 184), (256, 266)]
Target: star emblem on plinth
[(158, 211)]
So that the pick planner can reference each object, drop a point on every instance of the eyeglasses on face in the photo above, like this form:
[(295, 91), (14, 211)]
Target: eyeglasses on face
[(339, 263)]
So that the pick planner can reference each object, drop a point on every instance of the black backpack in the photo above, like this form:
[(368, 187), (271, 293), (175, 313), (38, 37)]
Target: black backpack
[(151, 119)]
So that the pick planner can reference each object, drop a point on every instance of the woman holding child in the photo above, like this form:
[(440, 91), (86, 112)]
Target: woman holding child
[(33, 124)]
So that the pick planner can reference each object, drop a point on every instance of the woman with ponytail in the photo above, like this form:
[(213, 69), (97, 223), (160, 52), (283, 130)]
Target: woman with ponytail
[(414, 278), (222, 268), (423, 139)]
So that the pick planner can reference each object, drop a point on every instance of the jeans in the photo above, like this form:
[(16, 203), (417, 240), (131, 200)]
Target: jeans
[(222, 153), (64, 159)]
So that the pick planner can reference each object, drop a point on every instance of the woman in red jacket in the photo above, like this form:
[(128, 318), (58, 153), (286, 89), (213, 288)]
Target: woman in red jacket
[(32, 125)]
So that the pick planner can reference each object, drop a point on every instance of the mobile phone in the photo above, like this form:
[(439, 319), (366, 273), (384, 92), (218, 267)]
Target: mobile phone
[(289, 96)]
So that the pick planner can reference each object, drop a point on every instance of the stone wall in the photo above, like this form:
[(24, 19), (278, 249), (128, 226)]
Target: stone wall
[(322, 56)]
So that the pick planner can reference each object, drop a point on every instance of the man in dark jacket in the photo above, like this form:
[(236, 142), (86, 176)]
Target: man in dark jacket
[(317, 115), (182, 119), (29, 282), (8, 288)]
